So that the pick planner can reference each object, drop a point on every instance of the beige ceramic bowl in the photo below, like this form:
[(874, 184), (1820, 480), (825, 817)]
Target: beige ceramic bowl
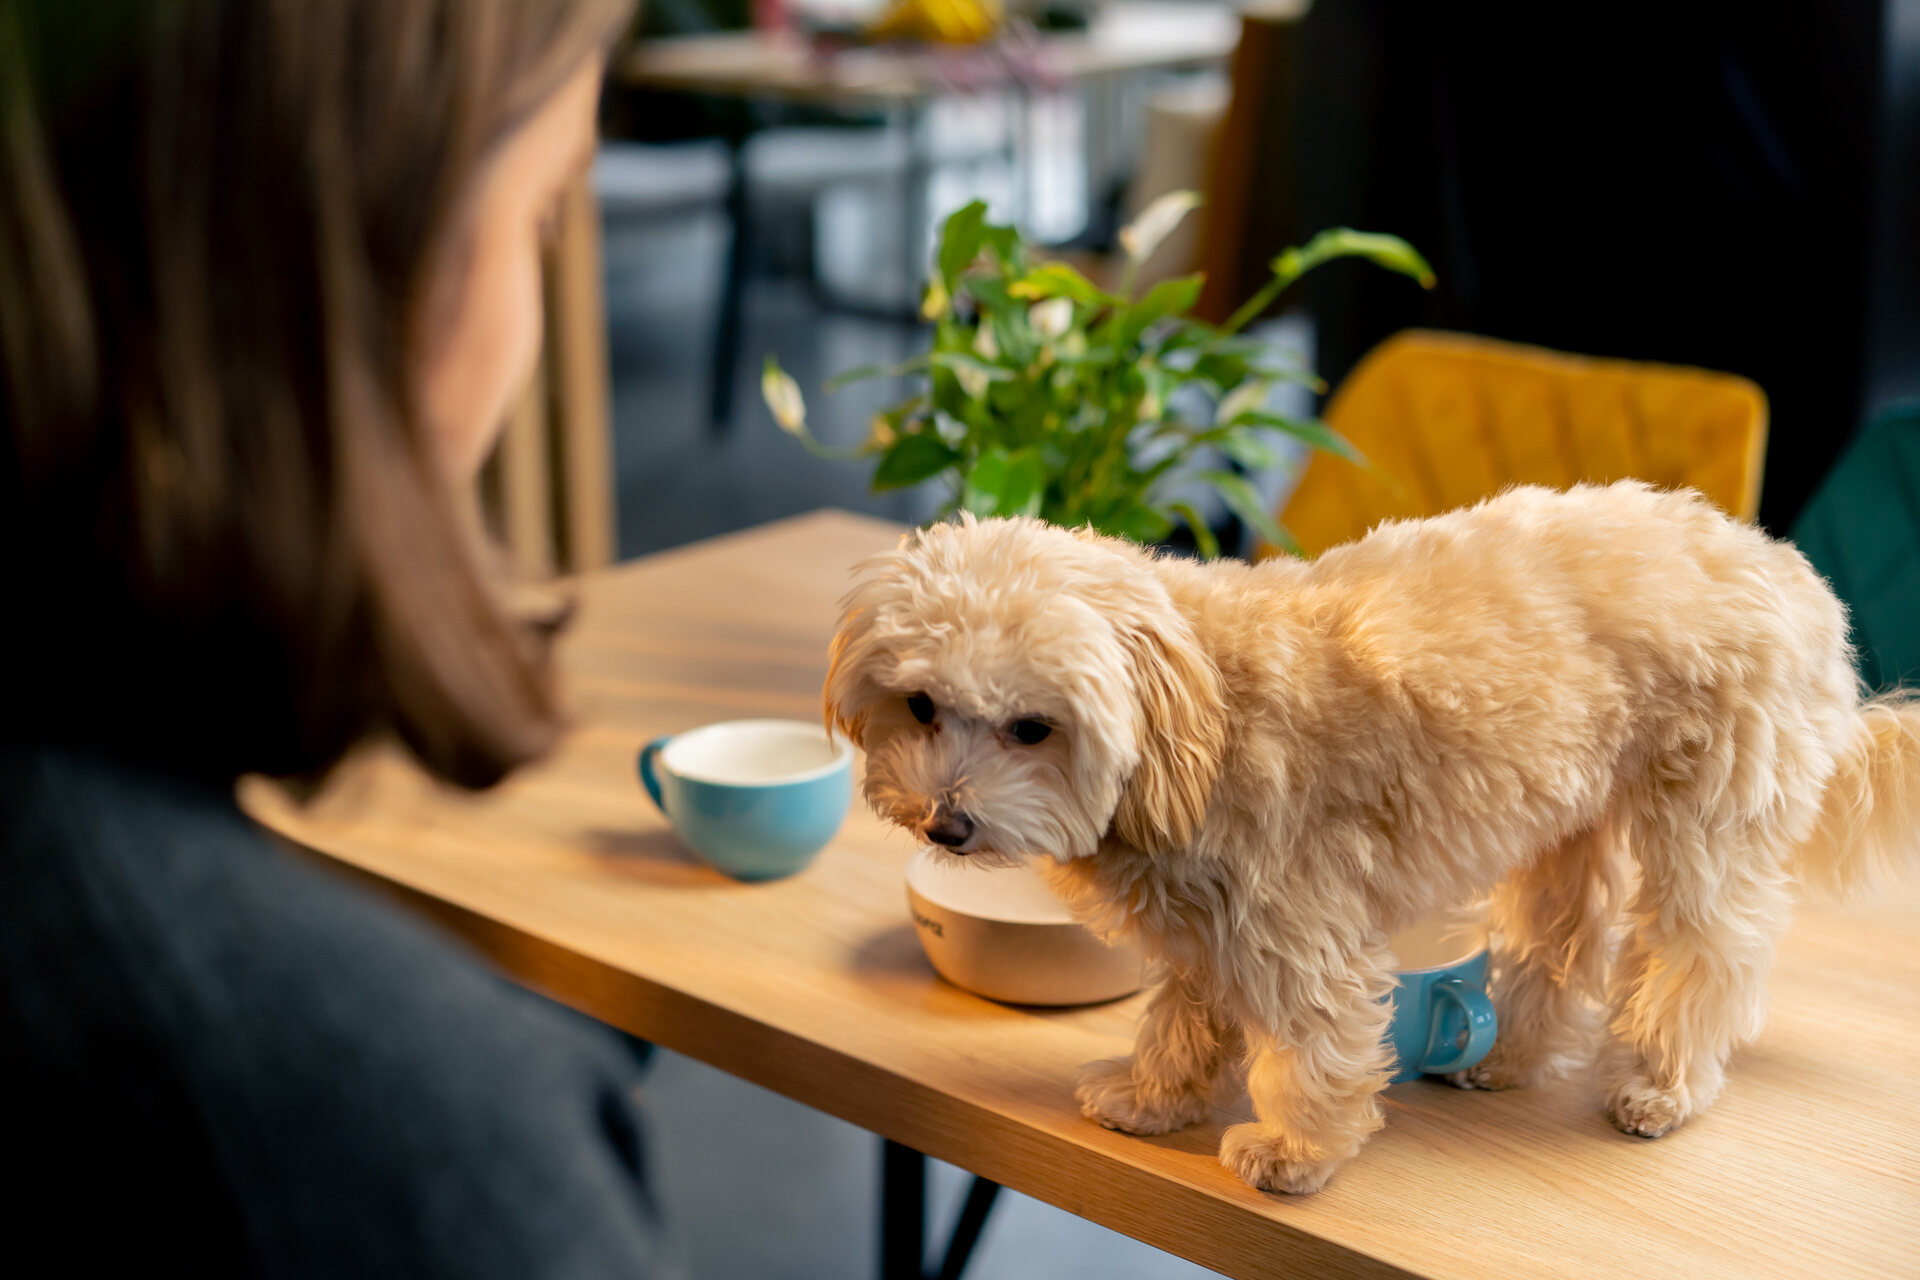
[(1001, 933)]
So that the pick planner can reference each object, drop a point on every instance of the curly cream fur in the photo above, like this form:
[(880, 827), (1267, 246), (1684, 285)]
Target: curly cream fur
[(1621, 717)]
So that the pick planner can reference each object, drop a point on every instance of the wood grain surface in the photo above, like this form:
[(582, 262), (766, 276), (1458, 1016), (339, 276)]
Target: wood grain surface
[(815, 987)]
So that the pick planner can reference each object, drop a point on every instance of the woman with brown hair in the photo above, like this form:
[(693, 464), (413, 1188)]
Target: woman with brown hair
[(269, 279)]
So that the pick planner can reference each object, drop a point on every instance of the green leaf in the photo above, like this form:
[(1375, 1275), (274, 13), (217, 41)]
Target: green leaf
[(1289, 373), (981, 494), (1244, 501), (1249, 397), (1187, 335), (1137, 521), (991, 293), (1223, 370), (1390, 252), (1249, 347), (862, 372), (1312, 431), (1169, 297), (960, 241), (1058, 280), (912, 459), (1250, 449), (1160, 384), (1014, 336), (1203, 540), (1026, 483), (1004, 244), (958, 360), (1091, 356), (1005, 483)]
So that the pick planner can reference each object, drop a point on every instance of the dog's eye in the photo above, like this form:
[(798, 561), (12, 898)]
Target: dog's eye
[(1028, 732), (921, 706)]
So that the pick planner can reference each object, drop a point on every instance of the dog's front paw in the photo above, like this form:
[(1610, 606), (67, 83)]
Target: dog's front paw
[(1109, 1094), (1644, 1109), (1271, 1159)]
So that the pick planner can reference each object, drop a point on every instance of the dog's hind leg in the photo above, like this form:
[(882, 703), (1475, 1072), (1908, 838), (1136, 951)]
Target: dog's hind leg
[(1690, 981), (1314, 1074), (1551, 927), (1167, 1082)]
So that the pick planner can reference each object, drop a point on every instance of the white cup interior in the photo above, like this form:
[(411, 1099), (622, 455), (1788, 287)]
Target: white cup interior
[(1434, 944), (1017, 894), (750, 753)]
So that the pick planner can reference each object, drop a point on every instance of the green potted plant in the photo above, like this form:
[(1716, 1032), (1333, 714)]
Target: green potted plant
[(1043, 394)]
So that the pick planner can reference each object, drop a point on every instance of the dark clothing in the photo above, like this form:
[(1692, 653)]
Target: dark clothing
[(218, 1057)]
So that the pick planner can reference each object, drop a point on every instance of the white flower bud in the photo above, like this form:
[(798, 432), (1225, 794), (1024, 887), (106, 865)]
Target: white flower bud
[(1052, 318)]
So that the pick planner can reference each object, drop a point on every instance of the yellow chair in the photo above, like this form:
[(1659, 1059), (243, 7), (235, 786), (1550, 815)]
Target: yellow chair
[(1450, 419)]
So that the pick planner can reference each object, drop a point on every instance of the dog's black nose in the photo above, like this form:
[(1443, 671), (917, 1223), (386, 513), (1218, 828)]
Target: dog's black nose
[(950, 829)]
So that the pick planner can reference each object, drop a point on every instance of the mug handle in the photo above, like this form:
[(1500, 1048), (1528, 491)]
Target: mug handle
[(1481, 1025), (648, 778)]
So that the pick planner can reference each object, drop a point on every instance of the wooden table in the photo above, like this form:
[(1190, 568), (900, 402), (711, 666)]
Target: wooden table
[(815, 987)]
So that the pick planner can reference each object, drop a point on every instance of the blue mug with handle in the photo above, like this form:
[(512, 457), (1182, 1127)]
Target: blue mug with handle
[(1442, 1019), (756, 799)]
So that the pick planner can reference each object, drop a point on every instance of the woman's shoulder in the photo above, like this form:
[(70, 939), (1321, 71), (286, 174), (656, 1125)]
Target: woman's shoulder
[(165, 965), (132, 896), (122, 865)]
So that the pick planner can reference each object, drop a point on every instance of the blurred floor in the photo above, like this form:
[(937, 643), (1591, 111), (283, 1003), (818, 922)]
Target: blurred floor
[(677, 479), (761, 1188)]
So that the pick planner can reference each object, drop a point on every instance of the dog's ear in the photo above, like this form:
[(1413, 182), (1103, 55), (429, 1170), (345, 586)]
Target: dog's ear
[(1183, 736), (849, 691), (843, 702)]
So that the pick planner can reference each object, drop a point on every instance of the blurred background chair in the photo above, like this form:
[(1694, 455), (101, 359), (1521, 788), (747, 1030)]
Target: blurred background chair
[(1253, 199), (547, 493), (1450, 419), (1862, 531)]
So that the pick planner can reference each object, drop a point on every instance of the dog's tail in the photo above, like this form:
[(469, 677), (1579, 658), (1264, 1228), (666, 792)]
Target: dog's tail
[(1869, 827)]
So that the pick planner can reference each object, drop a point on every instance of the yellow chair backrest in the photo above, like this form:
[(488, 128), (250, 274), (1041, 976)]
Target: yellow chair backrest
[(1450, 419)]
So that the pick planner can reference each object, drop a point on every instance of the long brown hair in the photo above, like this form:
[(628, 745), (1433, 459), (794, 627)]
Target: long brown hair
[(228, 543)]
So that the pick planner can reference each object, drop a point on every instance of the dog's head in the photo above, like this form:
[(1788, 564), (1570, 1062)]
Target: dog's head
[(1020, 689)]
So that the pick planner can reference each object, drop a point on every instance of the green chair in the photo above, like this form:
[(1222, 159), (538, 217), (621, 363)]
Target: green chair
[(1862, 530)]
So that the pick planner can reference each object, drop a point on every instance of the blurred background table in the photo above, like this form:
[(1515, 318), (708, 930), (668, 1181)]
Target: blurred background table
[(815, 987), (1123, 40), (1122, 37)]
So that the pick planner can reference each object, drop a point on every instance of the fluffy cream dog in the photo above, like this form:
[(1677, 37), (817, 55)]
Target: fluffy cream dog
[(1262, 771)]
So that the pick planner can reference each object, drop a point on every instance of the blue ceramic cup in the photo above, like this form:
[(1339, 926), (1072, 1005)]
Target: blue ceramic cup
[(756, 799), (1442, 1019)]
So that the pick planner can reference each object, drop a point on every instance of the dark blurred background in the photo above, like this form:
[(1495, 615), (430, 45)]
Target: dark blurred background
[(1731, 185)]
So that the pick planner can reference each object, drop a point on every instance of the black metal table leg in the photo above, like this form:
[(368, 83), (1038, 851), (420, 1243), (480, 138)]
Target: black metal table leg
[(733, 288), (903, 1217), (966, 1232), (903, 1212)]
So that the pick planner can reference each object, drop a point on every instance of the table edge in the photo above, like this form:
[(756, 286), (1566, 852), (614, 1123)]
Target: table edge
[(868, 1096)]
